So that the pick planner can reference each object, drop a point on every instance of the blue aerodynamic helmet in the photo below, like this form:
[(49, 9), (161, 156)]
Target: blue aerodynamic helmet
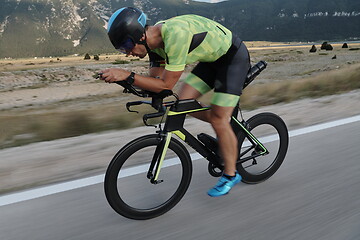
[(126, 27)]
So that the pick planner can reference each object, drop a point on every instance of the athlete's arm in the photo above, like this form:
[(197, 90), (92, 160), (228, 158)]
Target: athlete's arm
[(156, 66), (166, 81), (156, 72)]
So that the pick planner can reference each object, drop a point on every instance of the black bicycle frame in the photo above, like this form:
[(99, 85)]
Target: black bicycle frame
[(174, 124)]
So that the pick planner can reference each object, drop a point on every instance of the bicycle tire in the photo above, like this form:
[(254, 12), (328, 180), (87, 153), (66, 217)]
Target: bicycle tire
[(273, 134), (128, 200)]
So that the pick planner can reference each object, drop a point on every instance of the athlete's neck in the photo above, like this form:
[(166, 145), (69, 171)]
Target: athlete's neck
[(153, 37)]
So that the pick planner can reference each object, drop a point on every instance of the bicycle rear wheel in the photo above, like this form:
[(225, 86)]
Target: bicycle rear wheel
[(272, 132), (129, 191)]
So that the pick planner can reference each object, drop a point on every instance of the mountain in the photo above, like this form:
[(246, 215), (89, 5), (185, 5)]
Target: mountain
[(63, 27)]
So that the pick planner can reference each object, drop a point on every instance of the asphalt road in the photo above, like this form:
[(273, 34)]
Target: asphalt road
[(314, 195)]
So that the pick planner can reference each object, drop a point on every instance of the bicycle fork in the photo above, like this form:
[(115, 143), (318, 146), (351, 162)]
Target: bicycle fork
[(158, 158)]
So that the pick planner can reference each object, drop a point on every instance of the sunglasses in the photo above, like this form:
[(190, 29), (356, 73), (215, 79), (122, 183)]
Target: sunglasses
[(126, 46)]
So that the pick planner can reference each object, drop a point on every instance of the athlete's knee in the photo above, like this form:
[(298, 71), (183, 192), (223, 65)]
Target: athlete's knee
[(188, 92), (219, 122)]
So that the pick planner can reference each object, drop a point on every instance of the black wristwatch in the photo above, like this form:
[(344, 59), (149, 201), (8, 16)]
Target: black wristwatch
[(131, 78)]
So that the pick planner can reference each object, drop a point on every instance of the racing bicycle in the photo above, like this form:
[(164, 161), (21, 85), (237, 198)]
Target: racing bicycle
[(148, 176)]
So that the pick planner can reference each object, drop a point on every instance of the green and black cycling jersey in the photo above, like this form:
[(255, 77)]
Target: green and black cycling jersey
[(223, 59), (191, 38)]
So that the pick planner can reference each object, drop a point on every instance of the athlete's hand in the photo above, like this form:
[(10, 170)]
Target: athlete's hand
[(114, 74)]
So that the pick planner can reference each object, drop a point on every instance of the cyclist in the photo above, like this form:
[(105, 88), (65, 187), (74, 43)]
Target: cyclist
[(171, 44)]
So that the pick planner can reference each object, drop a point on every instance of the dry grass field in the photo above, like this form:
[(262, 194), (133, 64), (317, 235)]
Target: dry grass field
[(50, 98)]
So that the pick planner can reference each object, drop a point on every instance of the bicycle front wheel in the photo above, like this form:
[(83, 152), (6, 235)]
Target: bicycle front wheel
[(272, 133), (128, 189)]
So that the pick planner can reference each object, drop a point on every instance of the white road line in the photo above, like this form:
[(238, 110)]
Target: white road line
[(71, 185), (324, 126)]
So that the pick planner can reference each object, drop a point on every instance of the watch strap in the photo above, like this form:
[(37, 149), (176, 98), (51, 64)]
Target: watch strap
[(131, 78)]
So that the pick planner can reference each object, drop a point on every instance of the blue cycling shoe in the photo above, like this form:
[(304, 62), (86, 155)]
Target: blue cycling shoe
[(224, 185)]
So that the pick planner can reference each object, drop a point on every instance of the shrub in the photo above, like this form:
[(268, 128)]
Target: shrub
[(329, 47), (120, 62), (326, 46), (87, 57), (323, 45), (313, 49)]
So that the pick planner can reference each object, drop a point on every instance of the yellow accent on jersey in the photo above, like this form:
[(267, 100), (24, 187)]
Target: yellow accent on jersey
[(197, 83), (224, 99)]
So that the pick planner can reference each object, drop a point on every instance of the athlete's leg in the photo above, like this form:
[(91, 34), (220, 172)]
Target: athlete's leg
[(219, 117), (232, 71), (220, 121), (188, 92), (231, 74), (193, 88)]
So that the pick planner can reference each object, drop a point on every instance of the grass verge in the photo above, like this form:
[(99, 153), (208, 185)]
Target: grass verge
[(27, 127), (328, 83)]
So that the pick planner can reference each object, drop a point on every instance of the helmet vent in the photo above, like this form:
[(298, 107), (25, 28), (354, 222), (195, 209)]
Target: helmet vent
[(142, 19)]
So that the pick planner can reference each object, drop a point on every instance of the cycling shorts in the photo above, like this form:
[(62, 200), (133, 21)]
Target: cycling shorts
[(226, 75)]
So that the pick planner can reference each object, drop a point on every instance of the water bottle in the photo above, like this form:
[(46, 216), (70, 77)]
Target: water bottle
[(254, 71)]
